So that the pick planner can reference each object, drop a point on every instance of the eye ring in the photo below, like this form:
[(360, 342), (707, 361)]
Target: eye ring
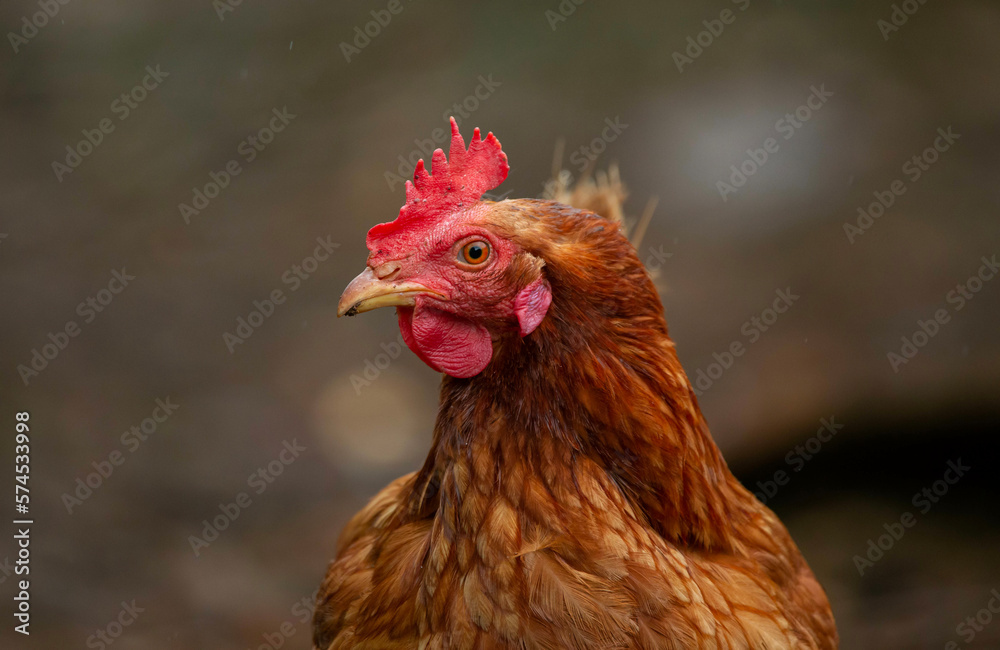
[(474, 253)]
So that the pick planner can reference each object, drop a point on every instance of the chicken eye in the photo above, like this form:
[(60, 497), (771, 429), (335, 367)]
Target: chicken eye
[(475, 252)]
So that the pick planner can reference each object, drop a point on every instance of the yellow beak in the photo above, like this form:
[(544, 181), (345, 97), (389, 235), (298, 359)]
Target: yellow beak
[(367, 292)]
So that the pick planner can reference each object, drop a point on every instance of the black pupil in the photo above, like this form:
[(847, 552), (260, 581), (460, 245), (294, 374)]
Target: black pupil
[(475, 252)]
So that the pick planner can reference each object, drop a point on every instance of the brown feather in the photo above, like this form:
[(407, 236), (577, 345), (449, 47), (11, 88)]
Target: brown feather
[(573, 496)]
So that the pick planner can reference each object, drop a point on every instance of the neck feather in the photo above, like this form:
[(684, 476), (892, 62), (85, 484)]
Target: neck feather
[(588, 398)]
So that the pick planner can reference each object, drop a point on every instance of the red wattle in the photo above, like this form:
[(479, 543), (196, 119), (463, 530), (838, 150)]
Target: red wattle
[(447, 343)]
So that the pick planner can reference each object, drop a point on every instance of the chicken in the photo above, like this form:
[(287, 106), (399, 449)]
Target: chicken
[(573, 496)]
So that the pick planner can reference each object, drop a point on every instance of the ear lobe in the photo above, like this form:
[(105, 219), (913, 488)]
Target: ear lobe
[(531, 304)]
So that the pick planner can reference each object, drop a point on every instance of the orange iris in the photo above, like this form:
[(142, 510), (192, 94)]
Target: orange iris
[(475, 252)]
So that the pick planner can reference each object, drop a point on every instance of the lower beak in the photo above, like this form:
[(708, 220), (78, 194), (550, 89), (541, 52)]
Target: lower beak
[(367, 292)]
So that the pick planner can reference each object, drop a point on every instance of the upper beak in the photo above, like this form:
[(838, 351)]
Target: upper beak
[(367, 292)]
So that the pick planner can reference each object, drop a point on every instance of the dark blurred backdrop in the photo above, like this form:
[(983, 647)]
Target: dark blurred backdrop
[(762, 126)]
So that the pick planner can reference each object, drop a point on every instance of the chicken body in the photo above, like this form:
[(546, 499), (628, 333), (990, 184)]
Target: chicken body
[(573, 496)]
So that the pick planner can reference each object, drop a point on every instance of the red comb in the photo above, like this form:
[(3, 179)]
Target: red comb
[(451, 184)]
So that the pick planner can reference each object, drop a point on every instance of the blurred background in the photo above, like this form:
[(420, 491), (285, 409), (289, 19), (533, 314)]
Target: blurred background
[(167, 167)]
